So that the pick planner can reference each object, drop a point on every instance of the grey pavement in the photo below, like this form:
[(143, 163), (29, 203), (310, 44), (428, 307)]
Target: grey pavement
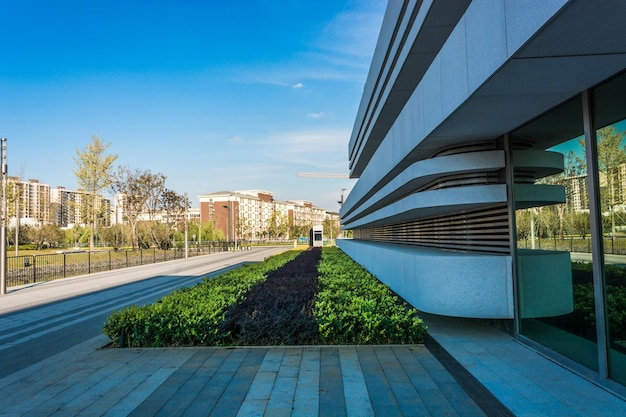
[(83, 377), (88, 380)]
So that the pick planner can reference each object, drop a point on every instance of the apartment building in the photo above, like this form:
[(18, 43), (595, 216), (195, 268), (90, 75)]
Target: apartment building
[(255, 214), (30, 201), (36, 203), (69, 207)]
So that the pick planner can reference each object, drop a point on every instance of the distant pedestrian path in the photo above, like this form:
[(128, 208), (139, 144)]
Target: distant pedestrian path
[(29, 269)]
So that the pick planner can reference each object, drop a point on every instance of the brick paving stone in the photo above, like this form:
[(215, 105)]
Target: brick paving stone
[(284, 381), (215, 386), (447, 391), (383, 401), (403, 390), (123, 382), (307, 398), (191, 378), (281, 401), (332, 402), (235, 393), (355, 390), (162, 365)]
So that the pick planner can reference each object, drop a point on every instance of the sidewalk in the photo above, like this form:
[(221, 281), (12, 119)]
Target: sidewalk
[(527, 383), (277, 381)]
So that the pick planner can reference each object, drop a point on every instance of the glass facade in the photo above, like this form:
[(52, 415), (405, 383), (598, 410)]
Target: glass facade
[(609, 115), (571, 238)]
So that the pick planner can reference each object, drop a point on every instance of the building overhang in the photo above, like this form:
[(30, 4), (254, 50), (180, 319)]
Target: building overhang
[(582, 45)]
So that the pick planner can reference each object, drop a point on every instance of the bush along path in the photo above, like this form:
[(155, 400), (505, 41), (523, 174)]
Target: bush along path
[(279, 310), (353, 307), (189, 316), (319, 296)]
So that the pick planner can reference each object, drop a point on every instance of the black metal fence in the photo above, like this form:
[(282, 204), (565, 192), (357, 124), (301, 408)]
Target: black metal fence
[(615, 245), (30, 269)]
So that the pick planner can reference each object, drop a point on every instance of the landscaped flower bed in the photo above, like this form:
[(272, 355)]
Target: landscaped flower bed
[(279, 310), (353, 307), (278, 302), (190, 316)]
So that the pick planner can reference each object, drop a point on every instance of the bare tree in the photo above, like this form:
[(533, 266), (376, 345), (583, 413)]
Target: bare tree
[(611, 157), (140, 191), (94, 174), (173, 207)]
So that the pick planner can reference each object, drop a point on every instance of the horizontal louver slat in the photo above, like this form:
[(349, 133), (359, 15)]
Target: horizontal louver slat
[(478, 231)]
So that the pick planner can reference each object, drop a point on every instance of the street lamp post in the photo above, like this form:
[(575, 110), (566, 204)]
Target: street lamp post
[(186, 229), (3, 221), (228, 222)]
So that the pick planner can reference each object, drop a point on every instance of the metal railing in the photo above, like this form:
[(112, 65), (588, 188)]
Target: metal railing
[(615, 245), (29, 269)]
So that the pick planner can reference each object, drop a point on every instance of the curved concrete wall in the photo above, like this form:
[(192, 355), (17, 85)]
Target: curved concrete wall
[(440, 282)]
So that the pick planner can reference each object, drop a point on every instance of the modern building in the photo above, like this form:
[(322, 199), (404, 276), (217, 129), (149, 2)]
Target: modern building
[(478, 115)]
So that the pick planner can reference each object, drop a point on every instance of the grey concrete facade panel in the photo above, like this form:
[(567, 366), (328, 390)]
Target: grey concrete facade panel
[(430, 24), (488, 31), (519, 90), (430, 203), (424, 171)]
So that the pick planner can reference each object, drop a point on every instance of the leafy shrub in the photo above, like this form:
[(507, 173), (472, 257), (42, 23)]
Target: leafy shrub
[(189, 316), (277, 311), (353, 307), (582, 321)]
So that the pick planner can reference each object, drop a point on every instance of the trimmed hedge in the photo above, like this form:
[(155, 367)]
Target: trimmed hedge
[(350, 307), (189, 316), (353, 307)]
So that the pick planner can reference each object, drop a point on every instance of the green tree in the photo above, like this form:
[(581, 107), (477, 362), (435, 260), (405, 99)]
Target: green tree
[(278, 225), (45, 236), (94, 174), (611, 156), (244, 228), (114, 235), (581, 224), (173, 207)]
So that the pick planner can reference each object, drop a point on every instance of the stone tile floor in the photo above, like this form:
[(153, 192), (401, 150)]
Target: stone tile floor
[(250, 381)]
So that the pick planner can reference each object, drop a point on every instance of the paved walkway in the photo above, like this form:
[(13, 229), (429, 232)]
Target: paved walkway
[(527, 383), (277, 381)]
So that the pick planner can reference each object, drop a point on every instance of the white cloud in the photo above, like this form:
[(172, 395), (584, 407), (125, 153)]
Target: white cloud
[(324, 150), (353, 34), (342, 51), (316, 115), (235, 139)]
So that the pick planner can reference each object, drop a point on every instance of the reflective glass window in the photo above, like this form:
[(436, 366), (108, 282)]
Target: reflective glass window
[(554, 270), (610, 121)]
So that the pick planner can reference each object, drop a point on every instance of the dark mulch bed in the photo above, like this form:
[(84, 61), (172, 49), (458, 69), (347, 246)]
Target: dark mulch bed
[(278, 311)]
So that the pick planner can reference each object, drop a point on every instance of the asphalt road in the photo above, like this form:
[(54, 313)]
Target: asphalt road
[(41, 320)]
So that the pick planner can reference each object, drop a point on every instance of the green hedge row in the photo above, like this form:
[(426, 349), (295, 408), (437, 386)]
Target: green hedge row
[(353, 307), (189, 316)]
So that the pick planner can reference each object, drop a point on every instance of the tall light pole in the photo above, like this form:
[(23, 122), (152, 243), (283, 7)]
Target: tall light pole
[(228, 222), (186, 229), (3, 221)]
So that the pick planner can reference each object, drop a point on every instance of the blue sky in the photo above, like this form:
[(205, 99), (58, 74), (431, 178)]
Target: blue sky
[(215, 95)]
